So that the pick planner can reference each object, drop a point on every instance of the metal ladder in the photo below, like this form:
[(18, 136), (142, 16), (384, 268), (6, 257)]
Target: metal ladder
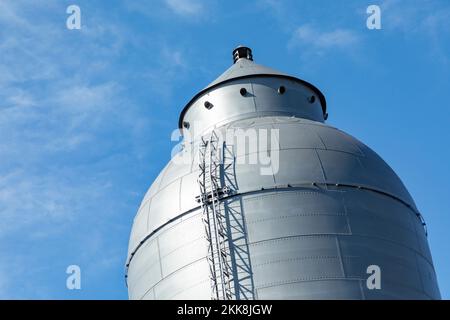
[(214, 221)]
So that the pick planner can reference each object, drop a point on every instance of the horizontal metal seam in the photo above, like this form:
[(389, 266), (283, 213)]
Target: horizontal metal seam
[(170, 182), (185, 244), (338, 214), (296, 259), (333, 235), (300, 280), (190, 287), (265, 190), (172, 273), (306, 279)]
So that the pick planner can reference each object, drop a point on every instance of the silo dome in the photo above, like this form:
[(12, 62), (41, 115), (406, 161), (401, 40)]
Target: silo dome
[(266, 201)]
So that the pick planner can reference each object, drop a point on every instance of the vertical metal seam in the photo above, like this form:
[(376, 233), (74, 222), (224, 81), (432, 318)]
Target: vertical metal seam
[(361, 287), (321, 166), (159, 258), (321, 140), (244, 221), (179, 193), (346, 215), (420, 274), (147, 221), (340, 256), (279, 150), (253, 95)]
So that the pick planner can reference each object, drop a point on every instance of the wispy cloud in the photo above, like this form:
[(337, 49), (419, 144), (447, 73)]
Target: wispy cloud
[(411, 19), (29, 200), (172, 63), (72, 136), (429, 21), (188, 10), (307, 36), (315, 41), (65, 121), (186, 7)]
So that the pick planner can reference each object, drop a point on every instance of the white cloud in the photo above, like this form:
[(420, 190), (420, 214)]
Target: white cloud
[(8, 13), (172, 64), (29, 201), (313, 40), (185, 7), (190, 10), (53, 110), (428, 18), (71, 134), (46, 97), (429, 21)]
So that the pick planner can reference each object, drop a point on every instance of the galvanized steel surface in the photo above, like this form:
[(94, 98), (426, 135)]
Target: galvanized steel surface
[(309, 230)]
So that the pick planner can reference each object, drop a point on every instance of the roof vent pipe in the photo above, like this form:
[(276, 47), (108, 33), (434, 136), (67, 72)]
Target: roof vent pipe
[(242, 52)]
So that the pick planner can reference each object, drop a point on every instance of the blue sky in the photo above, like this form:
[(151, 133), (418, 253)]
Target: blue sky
[(86, 115)]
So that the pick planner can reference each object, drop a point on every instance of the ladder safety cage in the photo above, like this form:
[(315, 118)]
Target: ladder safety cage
[(213, 219)]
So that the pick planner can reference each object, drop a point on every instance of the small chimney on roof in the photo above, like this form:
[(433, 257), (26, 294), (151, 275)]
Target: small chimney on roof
[(242, 52)]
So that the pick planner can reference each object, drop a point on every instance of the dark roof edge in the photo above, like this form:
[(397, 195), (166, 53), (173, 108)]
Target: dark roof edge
[(322, 99)]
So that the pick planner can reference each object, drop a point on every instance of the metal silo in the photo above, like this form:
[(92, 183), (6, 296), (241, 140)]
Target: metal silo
[(266, 201)]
